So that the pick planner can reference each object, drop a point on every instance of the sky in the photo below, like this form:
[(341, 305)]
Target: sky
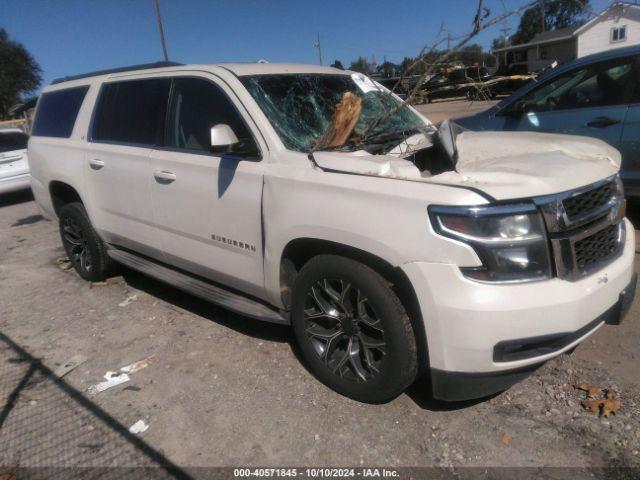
[(69, 37)]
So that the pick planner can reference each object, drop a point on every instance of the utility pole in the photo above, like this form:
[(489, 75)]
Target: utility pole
[(448, 42), (542, 9), (317, 45), (505, 35), (164, 45)]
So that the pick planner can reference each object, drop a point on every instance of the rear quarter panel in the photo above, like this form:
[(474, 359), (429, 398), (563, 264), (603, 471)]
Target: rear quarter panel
[(62, 159)]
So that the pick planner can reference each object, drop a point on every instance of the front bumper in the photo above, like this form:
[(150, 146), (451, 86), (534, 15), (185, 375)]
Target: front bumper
[(456, 386), (484, 331)]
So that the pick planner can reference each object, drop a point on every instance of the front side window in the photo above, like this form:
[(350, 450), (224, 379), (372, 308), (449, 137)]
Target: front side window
[(132, 112), (10, 141), (57, 111), (300, 107), (196, 106), (619, 34), (597, 85)]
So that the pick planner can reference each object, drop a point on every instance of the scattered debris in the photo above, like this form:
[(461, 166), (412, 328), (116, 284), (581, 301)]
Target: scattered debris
[(506, 438), (111, 380), (109, 281), (64, 263), (603, 406), (121, 376), (592, 390), (128, 300), (137, 366), (138, 427), (92, 447), (69, 365)]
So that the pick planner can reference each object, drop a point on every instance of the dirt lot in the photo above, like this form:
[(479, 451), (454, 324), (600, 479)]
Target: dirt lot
[(443, 109), (223, 390)]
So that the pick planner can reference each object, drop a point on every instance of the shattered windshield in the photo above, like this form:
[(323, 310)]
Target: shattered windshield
[(300, 107)]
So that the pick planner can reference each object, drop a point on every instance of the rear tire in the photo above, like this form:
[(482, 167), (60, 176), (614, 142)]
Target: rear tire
[(352, 330), (84, 248)]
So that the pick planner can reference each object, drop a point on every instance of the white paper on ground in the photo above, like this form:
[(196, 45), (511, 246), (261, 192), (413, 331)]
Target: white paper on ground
[(111, 380), (121, 376), (138, 427)]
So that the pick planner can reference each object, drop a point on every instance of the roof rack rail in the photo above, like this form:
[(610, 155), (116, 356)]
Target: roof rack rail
[(142, 66)]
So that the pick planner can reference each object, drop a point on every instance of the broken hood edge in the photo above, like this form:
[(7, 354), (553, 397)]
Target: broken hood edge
[(504, 165)]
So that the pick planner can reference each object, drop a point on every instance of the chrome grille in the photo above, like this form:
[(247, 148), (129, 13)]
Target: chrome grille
[(585, 226), (597, 247), (583, 203)]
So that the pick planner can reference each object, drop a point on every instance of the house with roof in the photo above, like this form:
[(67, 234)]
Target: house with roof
[(618, 26)]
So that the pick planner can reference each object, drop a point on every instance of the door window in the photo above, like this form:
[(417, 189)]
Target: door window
[(132, 112), (196, 106), (598, 85)]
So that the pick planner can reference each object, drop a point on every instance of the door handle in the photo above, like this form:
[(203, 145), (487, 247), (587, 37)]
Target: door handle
[(96, 163), (600, 122), (163, 177)]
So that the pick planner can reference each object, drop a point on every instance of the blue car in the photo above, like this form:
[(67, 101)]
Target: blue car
[(597, 96)]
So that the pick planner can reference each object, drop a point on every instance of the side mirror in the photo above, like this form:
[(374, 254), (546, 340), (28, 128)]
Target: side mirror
[(222, 137), (515, 110)]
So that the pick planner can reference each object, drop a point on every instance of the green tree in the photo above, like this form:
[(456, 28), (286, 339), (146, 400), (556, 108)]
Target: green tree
[(20, 74), (554, 14), (360, 65), (389, 69), (500, 42), (473, 55)]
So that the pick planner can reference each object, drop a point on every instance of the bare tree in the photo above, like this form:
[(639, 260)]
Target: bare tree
[(482, 20)]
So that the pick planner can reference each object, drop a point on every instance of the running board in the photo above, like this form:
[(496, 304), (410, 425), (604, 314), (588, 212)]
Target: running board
[(199, 288)]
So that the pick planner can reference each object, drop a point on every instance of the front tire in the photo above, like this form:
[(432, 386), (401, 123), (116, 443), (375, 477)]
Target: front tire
[(84, 248), (352, 330)]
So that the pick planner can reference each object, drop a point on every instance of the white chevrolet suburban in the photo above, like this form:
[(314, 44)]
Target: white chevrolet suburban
[(409, 249)]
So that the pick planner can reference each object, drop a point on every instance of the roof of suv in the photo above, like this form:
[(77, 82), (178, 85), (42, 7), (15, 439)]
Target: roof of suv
[(239, 69)]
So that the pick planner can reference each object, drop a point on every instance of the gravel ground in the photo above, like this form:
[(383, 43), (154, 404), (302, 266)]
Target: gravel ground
[(223, 390), (451, 108)]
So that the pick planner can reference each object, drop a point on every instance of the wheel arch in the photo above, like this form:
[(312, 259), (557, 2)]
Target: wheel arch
[(300, 250), (62, 194)]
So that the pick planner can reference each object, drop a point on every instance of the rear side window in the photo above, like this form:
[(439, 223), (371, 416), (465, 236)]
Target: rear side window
[(57, 112), (132, 112), (10, 141)]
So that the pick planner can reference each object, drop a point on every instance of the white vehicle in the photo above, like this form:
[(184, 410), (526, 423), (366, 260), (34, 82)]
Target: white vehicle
[(471, 257), (14, 165)]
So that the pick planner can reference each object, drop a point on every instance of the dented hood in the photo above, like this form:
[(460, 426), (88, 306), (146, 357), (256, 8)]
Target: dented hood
[(504, 165)]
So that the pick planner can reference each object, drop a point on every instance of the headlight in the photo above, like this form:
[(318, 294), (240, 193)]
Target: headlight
[(509, 239)]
